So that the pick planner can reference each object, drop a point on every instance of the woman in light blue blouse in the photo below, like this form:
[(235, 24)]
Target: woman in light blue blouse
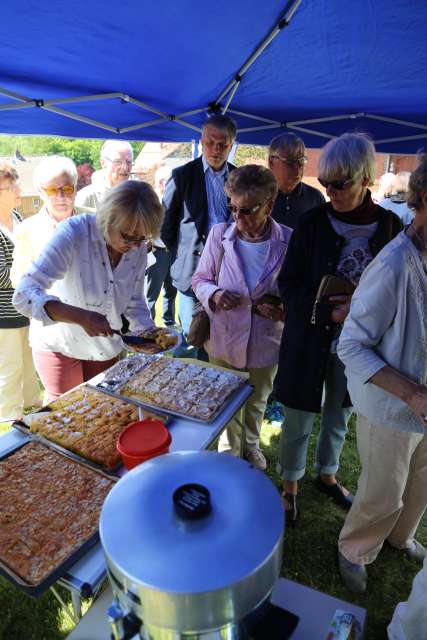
[(384, 348)]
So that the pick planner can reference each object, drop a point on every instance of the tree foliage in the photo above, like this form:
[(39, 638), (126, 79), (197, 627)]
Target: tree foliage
[(80, 150)]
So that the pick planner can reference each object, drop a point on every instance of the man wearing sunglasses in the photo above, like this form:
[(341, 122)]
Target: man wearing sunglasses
[(287, 159), (116, 162), (195, 200)]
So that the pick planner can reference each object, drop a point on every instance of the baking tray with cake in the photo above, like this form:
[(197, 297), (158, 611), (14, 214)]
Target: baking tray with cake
[(49, 511), (180, 389), (84, 423)]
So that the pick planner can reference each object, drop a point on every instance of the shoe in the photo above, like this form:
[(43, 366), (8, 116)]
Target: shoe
[(256, 458), (335, 492), (416, 551), (353, 575), (291, 515), (274, 413)]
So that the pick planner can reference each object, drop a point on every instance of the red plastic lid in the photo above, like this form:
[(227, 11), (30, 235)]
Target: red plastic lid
[(143, 438)]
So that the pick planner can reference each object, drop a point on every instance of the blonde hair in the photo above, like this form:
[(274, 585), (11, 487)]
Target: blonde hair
[(133, 201), (52, 167), (352, 155), (287, 143), (7, 172)]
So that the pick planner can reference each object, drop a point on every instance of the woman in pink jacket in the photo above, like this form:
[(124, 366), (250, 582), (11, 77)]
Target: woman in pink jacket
[(246, 316)]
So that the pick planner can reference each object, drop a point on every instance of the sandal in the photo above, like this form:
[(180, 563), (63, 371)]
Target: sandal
[(292, 513), (335, 491)]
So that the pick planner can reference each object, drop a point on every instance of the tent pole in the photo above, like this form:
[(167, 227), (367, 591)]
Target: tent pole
[(253, 117), (420, 136), (283, 22), (396, 121), (73, 116)]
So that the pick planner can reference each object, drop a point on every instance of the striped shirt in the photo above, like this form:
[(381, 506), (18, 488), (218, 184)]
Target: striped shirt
[(9, 316), (217, 199)]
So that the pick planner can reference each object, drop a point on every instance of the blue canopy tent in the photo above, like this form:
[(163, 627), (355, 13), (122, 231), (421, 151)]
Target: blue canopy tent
[(144, 70)]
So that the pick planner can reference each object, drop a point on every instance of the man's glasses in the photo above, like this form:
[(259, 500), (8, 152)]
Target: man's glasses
[(119, 163), (245, 211), (52, 191), (338, 185), (133, 239), (291, 162)]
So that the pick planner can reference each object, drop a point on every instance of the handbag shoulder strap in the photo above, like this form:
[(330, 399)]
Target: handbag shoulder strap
[(219, 261)]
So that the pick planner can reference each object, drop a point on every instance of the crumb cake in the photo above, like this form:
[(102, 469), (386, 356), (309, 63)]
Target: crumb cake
[(189, 389), (50, 506), (88, 423), (123, 370), (163, 339)]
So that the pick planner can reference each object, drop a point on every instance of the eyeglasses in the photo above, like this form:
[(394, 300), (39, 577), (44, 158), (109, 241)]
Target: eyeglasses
[(12, 187), (67, 191), (133, 239), (119, 163), (291, 162), (338, 185), (245, 211)]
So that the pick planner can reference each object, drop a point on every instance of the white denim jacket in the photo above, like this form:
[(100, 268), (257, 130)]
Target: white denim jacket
[(387, 325), (74, 267)]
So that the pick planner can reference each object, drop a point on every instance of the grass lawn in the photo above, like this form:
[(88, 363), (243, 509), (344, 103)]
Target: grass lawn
[(310, 557)]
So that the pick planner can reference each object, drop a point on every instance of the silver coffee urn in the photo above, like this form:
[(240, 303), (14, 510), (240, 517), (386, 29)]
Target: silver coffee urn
[(193, 544)]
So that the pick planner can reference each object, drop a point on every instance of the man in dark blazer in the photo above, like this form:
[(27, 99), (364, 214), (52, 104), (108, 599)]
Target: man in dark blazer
[(195, 200)]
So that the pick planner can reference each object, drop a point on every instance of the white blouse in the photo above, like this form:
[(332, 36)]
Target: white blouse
[(74, 268)]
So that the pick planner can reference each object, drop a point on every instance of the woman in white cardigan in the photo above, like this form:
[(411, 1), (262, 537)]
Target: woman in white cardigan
[(384, 348), (88, 275)]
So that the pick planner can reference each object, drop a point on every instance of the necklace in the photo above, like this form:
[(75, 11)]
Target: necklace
[(264, 235)]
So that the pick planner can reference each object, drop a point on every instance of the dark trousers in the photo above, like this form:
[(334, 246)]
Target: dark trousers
[(157, 276)]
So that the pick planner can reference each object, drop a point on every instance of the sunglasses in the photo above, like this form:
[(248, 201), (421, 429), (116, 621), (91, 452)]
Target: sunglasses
[(338, 185), (119, 163), (68, 190), (291, 162), (245, 211), (133, 239)]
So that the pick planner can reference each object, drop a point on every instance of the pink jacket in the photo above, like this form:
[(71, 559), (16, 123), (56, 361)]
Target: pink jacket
[(238, 336)]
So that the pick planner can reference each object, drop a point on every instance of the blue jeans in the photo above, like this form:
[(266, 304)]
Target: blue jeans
[(158, 275), (298, 425), (186, 303)]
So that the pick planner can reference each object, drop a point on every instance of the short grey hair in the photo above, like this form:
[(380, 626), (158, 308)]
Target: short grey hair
[(222, 123), (252, 179), (114, 146), (352, 155), (132, 200), (52, 167), (288, 143), (417, 184), (386, 184), (401, 182)]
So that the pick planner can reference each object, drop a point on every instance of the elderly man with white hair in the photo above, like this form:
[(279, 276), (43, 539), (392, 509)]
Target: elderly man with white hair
[(116, 162)]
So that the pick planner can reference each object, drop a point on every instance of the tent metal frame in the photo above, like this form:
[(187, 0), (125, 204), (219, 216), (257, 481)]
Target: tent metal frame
[(228, 93)]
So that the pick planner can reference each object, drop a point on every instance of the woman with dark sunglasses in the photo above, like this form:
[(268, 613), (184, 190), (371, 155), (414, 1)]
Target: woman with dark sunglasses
[(236, 281), (338, 238)]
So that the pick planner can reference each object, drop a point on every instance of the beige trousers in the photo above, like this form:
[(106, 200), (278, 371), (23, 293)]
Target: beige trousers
[(252, 412), (391, 494), (19, 386)]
